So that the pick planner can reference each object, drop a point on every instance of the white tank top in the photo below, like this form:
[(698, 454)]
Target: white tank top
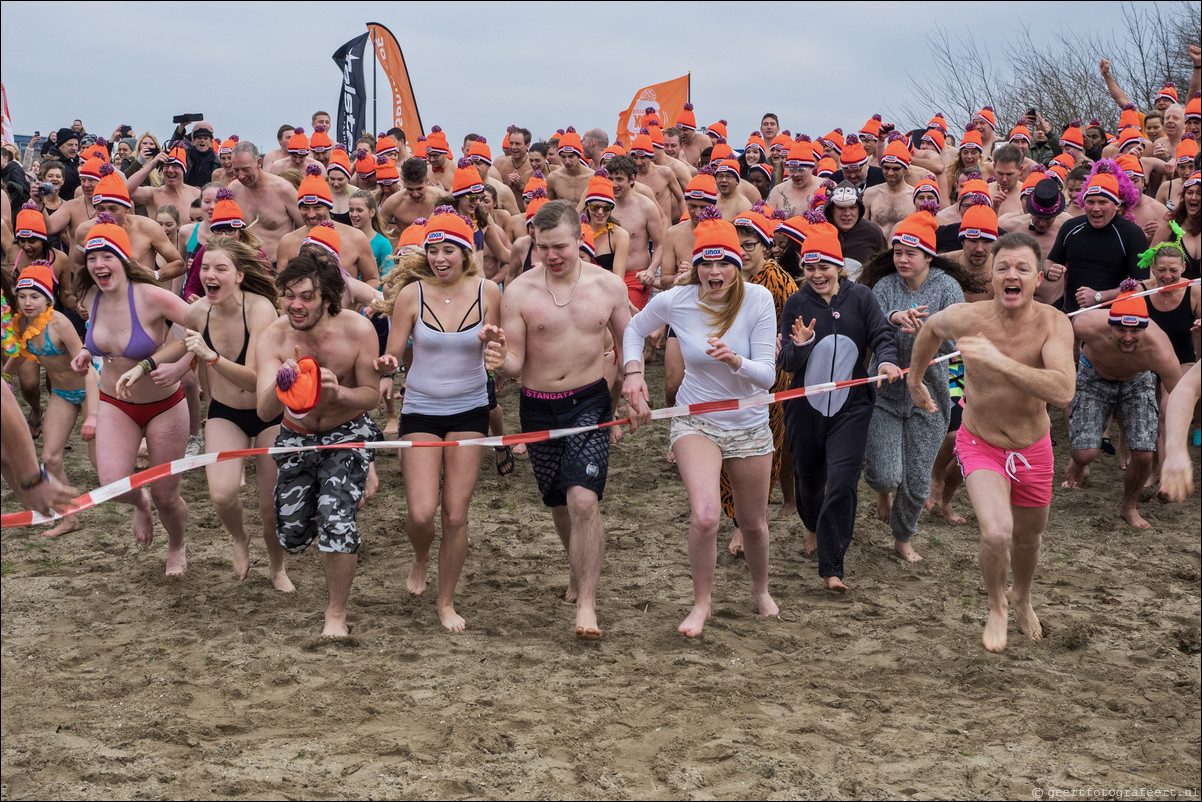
[(447, 376)]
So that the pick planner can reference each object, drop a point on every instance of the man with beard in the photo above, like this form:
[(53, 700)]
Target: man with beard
[(1120, 351), (315, 367)]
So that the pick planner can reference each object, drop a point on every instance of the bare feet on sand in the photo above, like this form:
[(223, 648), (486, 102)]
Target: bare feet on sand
[(519, 449), (586, 625), (450, 619), (392, 426), (177, 561), (736, 543), (143, 523), (949, 514), (1133, 518), (241, 557), (1028, 622), (834, 584), (787, 510), (615, 434), (994, 638), (766, 605), (811, 544), (695, 622), (906, 551), (281, 582), (68, 524), (416, 583), (335, 627), (884, 505), (1075, 476)]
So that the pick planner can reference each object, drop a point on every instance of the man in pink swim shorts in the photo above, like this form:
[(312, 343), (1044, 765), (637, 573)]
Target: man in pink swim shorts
[(1004, 446)]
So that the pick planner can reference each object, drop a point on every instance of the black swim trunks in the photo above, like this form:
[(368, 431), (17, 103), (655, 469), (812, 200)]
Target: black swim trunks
[(579, 460)]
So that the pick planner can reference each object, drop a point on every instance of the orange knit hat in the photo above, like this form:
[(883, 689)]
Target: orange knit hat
[(227, 214), (822, 245), (413, 238), (437, 142), (871, 130), (466, 181), (1187, 149), (1129, 309), (685, 119), (298, 143), (986, 114), (30, 224), (386, 171), (1104, 185), (447, 226), (111, 188), (755, 221), (340, 161), (801, 154), (600, 189), (1073, 137), (38, 276), (972, 139), (1020, 131), (715, 240), (385, 144), (570, 143), (299, 389), (979, 222), (918, 230), (480, 151), (1168, 91), (896, 152), (853, 152), (324, 235), (365, 163), (320, 142), (702, 187), (106, 235), (927, 184), (228, 145), (718, 128), (314, 189)]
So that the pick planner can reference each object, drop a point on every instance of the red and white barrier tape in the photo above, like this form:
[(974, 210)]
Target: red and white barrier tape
[(141, 479)]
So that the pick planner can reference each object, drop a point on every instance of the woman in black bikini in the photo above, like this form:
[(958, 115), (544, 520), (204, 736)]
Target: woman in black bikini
[(1187, 219), (223, 327)]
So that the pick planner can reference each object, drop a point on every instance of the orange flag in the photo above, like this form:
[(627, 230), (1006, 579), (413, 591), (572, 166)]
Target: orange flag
[(390, 59), (667, 98)]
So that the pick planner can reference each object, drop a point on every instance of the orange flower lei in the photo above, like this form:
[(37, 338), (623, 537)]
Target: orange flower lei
[(32, 330)]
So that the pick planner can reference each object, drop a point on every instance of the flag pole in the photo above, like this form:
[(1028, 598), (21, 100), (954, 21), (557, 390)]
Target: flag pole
[(689, 89), (375, 61)]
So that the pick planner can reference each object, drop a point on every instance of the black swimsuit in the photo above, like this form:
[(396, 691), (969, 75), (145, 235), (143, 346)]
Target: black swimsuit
[(247, 420)]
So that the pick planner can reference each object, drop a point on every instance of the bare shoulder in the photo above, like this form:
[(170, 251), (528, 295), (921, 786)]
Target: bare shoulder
[(258, 309)]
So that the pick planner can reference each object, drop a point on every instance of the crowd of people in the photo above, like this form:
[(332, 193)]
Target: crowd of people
[(206, 293)]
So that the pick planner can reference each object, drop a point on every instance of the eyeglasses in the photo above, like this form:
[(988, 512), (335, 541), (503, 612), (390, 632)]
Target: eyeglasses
[(748, 245), (475, 196), (598, 207)]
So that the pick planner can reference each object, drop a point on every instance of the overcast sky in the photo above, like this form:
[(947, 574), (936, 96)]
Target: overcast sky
[(250, 67)]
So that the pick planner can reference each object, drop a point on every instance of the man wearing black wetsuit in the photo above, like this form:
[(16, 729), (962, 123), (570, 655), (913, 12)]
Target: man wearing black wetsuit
[(1098, 249)]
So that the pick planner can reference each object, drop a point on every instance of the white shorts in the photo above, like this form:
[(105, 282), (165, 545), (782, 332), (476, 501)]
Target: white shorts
[(734, 443)]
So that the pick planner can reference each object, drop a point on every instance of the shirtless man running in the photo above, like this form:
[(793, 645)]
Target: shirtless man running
[(570, 182), (266, 198), (793, 196), (889, 203), (1120, 351), (317, 493), (355, 254), (554, 321), (1004, 444), (660, 180), (417, 199), (146, 237), (174, 165), (641, 218)]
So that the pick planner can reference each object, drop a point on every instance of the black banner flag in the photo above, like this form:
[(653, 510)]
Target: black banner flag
[(352, 101)]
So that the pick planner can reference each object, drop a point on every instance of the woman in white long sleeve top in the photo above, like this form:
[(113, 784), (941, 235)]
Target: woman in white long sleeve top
[(727, 334)]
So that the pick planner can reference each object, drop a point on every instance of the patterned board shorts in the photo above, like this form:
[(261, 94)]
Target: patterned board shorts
[(1097, 398), (734, 443), (317, 493), (579, 460)]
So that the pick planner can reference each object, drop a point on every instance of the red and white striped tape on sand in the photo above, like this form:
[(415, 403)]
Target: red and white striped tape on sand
[(176, 467)]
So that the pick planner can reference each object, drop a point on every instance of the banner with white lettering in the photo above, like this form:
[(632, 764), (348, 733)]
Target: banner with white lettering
[(352, 101)]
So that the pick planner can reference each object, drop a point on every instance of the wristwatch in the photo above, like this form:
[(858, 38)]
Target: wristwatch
[(1097, 297)]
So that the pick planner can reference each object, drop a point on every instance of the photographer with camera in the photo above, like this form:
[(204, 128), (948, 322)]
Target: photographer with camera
[(202, 159)]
